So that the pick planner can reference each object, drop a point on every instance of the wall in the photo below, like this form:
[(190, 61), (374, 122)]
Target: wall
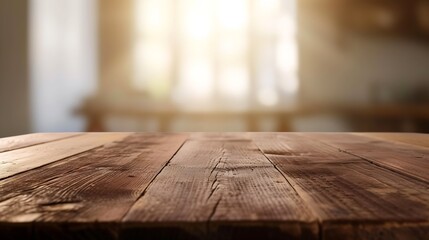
[(337, 66), (14, 86)]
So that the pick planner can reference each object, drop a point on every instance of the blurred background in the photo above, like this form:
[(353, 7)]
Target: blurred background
[(214, 65)]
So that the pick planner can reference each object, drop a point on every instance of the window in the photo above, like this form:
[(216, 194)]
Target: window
[(63, 61), (216, 53)]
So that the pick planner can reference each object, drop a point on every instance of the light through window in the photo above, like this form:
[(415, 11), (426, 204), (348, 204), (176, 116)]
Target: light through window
[(210, 53)]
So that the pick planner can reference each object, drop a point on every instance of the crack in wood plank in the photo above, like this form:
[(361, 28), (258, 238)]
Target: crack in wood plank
[(153, 179), (361, 192), (213, 183), (221, 185)]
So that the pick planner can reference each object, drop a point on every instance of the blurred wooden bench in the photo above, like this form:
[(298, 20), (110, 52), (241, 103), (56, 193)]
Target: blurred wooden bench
[(361, 117)]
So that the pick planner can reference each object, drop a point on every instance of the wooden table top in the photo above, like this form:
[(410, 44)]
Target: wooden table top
[(214, 185)]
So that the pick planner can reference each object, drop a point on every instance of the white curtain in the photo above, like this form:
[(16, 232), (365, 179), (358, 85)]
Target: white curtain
[(62, 61)]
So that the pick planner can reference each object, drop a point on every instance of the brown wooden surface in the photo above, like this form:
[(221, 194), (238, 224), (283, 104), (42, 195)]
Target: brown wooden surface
[(214, 186), (404, 159), (12, 143), (20, 160), (407, 138)]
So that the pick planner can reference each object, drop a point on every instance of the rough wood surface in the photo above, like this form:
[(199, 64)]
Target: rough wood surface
[(20, 160), (215, 185), (347, 192), (407, 138), (409, 160), (224, 181), (12, 143), (96, 186)]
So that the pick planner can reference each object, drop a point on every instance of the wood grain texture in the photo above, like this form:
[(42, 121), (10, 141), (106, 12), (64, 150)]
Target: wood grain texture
[(220, 185), (409, 160), (414, 139), (12, 143), (216, 186), (352, 198), (99, 185), (20, 160)]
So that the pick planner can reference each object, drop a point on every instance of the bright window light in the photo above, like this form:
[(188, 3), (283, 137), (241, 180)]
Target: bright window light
[(233, 15), (208, 52)]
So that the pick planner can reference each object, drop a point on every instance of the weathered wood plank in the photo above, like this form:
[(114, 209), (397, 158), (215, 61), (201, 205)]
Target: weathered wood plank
[(376, 230), (88, 194), (416, 139), (20, 160), (12, 143), (224, 187), (406, 159), (218, 185), (300, 151), (351, 198)]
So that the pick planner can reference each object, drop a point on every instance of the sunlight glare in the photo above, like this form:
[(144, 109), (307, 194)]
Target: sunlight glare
[(234, 82), (210, 51), (232, 46), (268, 6), (153, 15), (197, 79), (233, 15), (197, 22)]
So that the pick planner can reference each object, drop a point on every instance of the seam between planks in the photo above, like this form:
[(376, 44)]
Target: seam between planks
[(394, 170), (323, 224), (153, 179), (49, 141), (392, 141), (44, 181), (383, 166), (313, 211), (56, 161)]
